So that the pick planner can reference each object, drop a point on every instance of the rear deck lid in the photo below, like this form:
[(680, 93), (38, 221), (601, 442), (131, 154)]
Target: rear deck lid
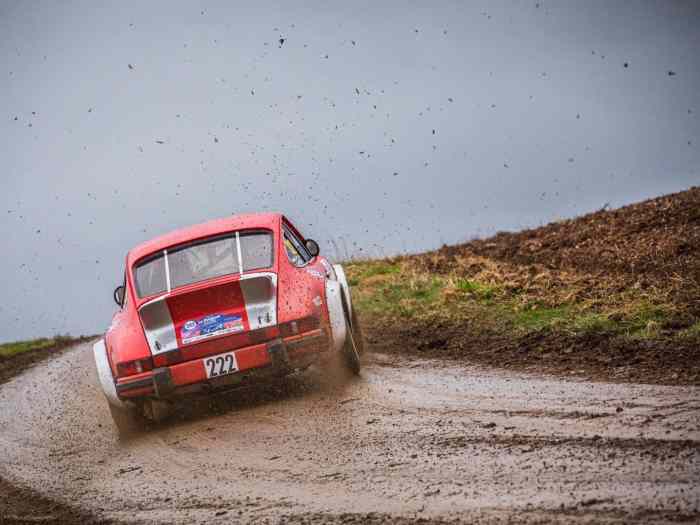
[(187, 318)]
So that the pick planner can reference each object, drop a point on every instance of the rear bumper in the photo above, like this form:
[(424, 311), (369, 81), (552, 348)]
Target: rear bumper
[(276, 357)]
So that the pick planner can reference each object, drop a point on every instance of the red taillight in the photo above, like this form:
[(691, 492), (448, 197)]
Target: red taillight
[(137, 366), (167, 358)]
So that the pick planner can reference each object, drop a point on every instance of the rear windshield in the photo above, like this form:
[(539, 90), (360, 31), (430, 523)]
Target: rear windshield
[(212, 257)]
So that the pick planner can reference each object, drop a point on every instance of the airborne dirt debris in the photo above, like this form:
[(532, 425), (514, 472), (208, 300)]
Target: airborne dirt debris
[(612, 295)]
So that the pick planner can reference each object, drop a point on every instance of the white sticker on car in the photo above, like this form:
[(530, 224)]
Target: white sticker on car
[(220, 365)]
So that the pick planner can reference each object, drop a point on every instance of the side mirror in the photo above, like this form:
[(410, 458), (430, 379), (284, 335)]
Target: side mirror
[(312, 247), (119, 295)]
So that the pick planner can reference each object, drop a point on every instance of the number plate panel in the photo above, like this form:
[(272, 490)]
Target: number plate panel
[(220, 365)]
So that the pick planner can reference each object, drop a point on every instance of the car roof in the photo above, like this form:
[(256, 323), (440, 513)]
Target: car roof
[(205, 229)]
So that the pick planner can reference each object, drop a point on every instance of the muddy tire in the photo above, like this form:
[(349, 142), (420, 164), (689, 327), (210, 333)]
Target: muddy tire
[(126, 419), (357, 334), (156, 411), (351, 350)]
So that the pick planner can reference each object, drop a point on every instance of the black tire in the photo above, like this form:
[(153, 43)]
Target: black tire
[(350, 348), (126, 419), (156, 411), (357, 334)]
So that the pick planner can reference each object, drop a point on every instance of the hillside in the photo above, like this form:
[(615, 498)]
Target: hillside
[(614, 294)]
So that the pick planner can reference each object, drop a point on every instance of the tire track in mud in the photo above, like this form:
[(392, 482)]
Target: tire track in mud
[(407, 440)]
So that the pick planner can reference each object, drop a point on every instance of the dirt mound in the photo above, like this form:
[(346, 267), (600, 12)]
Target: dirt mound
[(612, 295), (593, 356), (655, 243), (657, 237)]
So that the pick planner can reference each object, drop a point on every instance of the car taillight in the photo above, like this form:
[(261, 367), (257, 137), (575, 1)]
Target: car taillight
[(137, 366), (168, 358)]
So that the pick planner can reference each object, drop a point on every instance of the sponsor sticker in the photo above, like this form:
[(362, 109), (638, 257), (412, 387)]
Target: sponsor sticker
[(210, 326), (315, 273)]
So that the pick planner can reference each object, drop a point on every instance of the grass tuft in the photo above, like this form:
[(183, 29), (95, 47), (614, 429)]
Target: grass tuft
[(362, 271), (538, 317), (692, 332), (18, 347), (476, 289)]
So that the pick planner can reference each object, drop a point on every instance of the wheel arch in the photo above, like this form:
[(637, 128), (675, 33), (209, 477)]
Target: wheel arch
[(104, 374)]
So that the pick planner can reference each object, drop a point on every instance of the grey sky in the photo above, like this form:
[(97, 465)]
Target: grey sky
[(535, 118)]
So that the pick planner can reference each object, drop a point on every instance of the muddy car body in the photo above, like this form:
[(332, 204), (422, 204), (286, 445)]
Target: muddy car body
[(212, 306)]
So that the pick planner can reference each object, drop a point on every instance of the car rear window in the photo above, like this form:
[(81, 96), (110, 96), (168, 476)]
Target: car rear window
[(150, 277), (212, 257)]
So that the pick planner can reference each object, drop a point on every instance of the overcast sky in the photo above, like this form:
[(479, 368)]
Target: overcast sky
[(379, 129)]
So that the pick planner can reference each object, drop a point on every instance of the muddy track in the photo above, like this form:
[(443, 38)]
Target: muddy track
[(409, 440)]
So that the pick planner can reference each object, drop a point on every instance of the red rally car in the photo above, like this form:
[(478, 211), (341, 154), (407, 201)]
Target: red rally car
[(214, 305)]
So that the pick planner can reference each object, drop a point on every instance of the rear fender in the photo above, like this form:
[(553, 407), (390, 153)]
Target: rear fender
[(104, 374)]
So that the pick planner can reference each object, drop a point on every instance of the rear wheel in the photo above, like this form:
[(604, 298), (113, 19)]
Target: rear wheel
[(155, 410), (126, 418), (357, 334), (351, 348)]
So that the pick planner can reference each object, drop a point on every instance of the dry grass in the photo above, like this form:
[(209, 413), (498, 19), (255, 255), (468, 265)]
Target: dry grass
[(499, 295)]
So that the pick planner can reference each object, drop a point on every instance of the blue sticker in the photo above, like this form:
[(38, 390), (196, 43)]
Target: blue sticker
[(210, 326)]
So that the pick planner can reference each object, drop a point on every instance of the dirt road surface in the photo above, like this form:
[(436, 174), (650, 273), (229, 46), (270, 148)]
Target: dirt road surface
[(407, 441)]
